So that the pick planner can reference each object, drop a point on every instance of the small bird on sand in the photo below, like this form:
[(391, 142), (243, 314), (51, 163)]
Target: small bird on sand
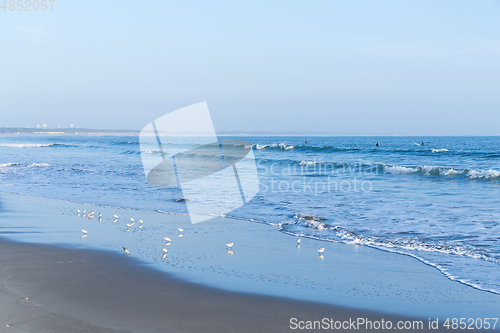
[(180, 229), (321, 250), (100, 214), (165, 249), (115, 216), (167, 239), (229, 245), (298, 240), (130, 224), (84, 213), (167, 244), (164, 256), (115, 221), (141, 221), (181, 235), (84, 231), (126, 250), (131, 219), (79, 212)]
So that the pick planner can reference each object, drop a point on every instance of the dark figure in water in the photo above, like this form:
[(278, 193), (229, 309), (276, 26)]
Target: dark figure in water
[(377, 144), (422, 144), (305, 142)]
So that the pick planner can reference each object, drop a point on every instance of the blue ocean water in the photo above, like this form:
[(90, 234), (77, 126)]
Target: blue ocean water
[(437, 202)]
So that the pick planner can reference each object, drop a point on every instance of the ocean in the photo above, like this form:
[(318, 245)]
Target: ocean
[(437, 202)]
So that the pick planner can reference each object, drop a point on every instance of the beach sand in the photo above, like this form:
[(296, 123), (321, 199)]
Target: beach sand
[(76, 284), (50, 289)]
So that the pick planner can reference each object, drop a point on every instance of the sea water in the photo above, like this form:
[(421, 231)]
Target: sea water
[(437, 202)]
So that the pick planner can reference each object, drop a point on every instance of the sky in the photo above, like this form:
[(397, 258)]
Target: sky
[(340, 67)]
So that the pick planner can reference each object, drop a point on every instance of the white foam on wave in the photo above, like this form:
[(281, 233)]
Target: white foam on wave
[(285, 147), (37, 165), (452, 172), (307, 162), (427, 170), (25, 145), (281, 146), (439, 150), (259, 146), (7, 165), (399, 170), (484, 174)]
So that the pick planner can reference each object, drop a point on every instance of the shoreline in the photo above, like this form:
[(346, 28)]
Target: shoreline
[(265, 265), (311, 237), (58, 289)]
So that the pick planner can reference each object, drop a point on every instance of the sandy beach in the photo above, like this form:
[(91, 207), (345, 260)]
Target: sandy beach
[(49, 289), (69, 283)]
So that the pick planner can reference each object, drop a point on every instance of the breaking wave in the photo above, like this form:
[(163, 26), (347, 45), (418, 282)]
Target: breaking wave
[(33, 145)]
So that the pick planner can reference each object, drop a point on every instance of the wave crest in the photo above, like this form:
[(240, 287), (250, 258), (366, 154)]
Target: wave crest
[(280, 146)]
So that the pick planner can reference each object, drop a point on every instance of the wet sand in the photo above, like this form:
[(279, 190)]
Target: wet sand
[(54, 280), (51, 289)]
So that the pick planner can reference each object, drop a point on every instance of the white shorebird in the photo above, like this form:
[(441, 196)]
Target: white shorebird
[(229, 245), (79, 212), (321, 250), (131, 219), (141, 226), (167, 244), (181, 235), (164, 256), (180, 229), (298, 240), (115, 221), (167, 239), (126, 250), (100, 214), (91, 212), (115, 216), (84, 213), (130, 224), (141, 221), (165, 249), (84, 231)]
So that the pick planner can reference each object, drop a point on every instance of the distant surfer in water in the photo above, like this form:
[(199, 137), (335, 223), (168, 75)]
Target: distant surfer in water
[(305, 142), (377, 144), (423, 144)]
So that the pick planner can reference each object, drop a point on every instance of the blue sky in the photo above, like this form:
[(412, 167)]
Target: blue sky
[(352, 67)]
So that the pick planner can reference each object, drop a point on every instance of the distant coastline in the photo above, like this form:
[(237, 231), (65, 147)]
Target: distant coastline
[(125, 132), (63, 131)]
